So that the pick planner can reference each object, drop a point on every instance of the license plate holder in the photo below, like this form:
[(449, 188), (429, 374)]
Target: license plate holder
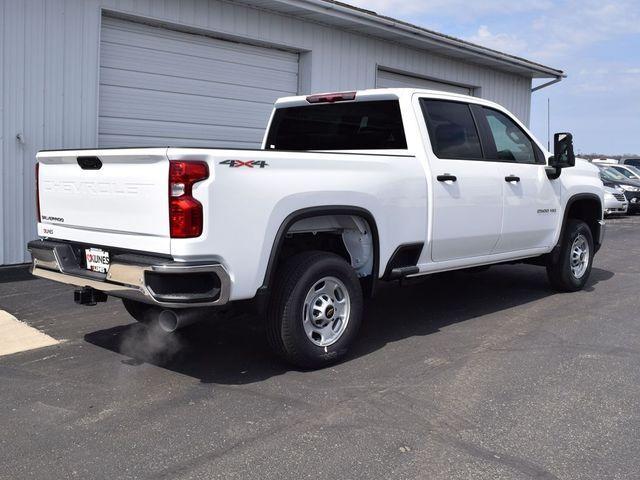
[(97, 260)]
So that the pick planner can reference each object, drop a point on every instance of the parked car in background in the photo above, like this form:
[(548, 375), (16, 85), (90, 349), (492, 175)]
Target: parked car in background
[(605, 161), (612, 178), (615, 203), (631, 161), (629, 171)]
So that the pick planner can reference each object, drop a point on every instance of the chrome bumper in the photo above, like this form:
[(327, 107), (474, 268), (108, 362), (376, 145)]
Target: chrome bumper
[(127, 275)]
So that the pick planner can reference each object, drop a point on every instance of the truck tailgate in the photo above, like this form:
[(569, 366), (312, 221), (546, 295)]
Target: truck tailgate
[(115, 198)]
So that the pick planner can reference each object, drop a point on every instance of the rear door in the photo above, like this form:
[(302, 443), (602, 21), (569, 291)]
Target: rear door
[(467, 189), (116, 198), (531, 200)]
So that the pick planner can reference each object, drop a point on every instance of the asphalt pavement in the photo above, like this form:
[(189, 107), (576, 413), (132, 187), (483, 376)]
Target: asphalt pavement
[(483, 375)]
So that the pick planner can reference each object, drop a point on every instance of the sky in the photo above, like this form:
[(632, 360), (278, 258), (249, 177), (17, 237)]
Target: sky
[(596, 43)]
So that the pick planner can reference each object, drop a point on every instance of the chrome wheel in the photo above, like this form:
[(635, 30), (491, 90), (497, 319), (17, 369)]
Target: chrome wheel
[(579, 260), (326, 311)]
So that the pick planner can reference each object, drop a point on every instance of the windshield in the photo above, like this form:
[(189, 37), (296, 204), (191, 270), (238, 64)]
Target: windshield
[(610, 174), (635, 170), (627, 172)]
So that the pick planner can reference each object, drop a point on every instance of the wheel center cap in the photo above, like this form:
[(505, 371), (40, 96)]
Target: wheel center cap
[(330, 312)]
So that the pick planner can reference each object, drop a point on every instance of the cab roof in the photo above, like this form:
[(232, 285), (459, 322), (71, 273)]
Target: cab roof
[(377, 94)]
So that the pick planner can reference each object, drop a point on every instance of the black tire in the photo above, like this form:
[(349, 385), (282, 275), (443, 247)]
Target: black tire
[(480, 269), (560, 274), (138, 310), (294, 281)]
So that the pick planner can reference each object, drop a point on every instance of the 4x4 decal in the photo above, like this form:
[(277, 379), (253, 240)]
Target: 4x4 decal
[(245, 163)]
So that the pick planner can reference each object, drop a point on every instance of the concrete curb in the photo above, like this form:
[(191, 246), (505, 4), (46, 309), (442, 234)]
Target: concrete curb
[(17, 336)]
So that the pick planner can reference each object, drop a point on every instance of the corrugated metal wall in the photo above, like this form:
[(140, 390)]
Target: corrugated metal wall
[(2, 153), (49, 60), (388, 79)]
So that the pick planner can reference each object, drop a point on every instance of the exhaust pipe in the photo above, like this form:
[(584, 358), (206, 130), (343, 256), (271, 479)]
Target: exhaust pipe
[(171, 320)]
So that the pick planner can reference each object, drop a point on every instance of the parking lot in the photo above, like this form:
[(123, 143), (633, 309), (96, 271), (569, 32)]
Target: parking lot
[(463, 375)]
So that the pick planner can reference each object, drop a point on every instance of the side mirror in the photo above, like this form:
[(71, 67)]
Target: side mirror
[(563, 156)]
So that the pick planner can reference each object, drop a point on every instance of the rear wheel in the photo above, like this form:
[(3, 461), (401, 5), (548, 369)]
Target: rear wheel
[(316, 309), (572, 267), (138, 310)]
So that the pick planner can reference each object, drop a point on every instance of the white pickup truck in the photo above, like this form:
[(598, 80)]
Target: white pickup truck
[(348, 190)]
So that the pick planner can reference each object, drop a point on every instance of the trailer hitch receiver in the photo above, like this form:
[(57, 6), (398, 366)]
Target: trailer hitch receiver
[(89, 296)]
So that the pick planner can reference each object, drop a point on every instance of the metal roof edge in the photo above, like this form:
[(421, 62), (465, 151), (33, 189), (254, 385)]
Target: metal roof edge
[(371, 18)]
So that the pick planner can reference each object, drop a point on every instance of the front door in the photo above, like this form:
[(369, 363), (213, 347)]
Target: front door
[(467, 190), (531, 201)]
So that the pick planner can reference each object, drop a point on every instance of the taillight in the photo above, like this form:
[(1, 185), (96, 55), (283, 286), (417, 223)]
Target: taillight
[(38, 191), (332, 97), (185, 212)]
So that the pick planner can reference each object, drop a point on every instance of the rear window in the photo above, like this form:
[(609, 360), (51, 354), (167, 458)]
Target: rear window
[(375, 125)]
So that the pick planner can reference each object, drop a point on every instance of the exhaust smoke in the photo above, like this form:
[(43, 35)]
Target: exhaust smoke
[(149, 343)]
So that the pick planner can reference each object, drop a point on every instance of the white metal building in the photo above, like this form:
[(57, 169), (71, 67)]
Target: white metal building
[(87, 73)]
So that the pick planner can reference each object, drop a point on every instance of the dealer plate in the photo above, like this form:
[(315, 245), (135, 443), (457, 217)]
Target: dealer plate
[(97, 260)]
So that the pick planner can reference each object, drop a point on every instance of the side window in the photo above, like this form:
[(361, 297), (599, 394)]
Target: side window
[(452, 130), (512, 144)]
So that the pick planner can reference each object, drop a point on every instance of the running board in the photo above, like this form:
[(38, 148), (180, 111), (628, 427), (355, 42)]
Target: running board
[(402, 272)]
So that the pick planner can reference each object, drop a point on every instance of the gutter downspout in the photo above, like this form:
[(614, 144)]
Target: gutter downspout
[(547, 84)]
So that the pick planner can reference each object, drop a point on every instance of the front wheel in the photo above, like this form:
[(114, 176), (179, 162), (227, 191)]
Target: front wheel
[(316, 309), (572, 267)]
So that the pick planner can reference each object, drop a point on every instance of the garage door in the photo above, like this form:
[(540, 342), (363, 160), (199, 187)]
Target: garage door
[(388, 79), (163, 87)]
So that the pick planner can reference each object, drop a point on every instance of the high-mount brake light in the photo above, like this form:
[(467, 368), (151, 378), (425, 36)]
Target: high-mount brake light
[(38, 191), (185, 212), (332, 97)]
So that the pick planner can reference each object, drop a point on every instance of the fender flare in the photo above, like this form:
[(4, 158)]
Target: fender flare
[(308, 212), (573, 199)]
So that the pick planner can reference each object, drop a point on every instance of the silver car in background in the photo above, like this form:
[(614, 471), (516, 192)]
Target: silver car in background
[(629, 171), (615, 203)]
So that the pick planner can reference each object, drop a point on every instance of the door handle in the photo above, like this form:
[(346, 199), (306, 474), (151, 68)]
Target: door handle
[(447, 178), (511, 178)]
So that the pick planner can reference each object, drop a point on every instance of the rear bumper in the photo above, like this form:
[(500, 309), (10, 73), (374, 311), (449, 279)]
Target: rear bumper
[(156, 281)]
